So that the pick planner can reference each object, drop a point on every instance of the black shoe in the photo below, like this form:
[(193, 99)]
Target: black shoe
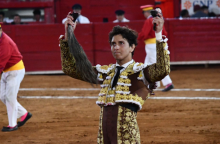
[(168, 88), (29, 115), (8, 129)]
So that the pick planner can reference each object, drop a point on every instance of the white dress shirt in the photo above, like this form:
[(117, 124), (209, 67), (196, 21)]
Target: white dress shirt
[(123, 20)]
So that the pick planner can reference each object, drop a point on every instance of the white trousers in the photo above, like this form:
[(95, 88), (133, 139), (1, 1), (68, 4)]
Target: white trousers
[(10, 83), (151, 58)]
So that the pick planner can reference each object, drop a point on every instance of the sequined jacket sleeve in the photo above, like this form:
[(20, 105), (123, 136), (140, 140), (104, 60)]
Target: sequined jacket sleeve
[(68, 61), (161, 68)]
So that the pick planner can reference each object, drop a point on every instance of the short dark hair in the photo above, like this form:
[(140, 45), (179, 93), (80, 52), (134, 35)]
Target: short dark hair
[(127, 33), (184, 12), (17, 15), (76, 6), (212, 14), (37, 12), (204, 7), (196, 8), (2, 13), (119, 12)]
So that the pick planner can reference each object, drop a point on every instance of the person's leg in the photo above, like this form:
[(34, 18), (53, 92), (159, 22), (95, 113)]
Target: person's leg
[(127, 127), (3, 94), (2, 89), (100, 139), (151, 54), (158, 84), (167, 80), (21, 110), (147, 60), (11, 97), (168, 83), (109, 124), (14, 109)]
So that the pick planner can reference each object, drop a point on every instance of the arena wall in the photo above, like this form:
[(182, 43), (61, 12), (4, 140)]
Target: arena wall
[(189, 40)]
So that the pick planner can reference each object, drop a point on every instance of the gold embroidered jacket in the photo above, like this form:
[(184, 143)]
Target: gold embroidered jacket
[(132, 83)]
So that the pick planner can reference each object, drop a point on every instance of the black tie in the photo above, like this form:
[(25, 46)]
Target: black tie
[(116, 76)]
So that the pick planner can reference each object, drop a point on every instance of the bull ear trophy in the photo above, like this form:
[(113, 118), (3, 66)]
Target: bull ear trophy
[(83, 65)]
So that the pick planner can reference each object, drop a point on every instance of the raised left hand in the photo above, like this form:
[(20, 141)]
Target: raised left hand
[(159, 22)]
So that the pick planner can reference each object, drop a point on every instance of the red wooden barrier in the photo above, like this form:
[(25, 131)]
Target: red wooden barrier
[(194, 40), (189, 40), (39, 44)]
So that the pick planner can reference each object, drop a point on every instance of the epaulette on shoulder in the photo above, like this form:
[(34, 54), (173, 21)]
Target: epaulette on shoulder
[(105, 68), (61, 37), (138, 67)]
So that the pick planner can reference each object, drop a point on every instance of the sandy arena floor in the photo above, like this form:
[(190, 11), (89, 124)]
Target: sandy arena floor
[(75, 121)]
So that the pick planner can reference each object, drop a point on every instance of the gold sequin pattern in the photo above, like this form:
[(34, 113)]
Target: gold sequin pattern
[(100, 76), (140, 75), (111, 92), (140, 64), (104, 90), (127, 127), (121, 80), (107, 91), (110, 100), (68, 62), (122, 88), (100, 139), (105, 67), (160, 69), (130, 97), (107, 81), (111, 75), (119, 88), (121, 92), (129, 69), (127, 81), (102, 99), (125, 88), (124, 73)]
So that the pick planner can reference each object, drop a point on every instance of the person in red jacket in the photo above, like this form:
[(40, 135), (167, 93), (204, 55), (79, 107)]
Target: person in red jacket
[(147, 35), (12, 66)]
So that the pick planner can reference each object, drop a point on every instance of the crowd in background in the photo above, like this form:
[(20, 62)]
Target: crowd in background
[(199, 12), (17, 18)]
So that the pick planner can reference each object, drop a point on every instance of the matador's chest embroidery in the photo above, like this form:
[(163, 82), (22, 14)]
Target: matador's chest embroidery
[(120, 93)]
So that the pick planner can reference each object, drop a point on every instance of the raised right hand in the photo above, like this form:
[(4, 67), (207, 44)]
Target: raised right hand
[(69, 21)]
